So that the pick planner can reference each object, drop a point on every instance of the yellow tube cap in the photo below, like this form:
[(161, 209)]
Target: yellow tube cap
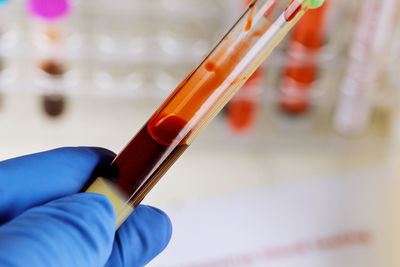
[(315, 3)]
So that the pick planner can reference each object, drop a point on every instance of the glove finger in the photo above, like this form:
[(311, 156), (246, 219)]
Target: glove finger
[(73, 231), (141, 237), (32, 180)]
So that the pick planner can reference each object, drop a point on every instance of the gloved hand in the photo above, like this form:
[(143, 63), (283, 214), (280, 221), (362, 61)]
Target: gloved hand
[(44, 223)]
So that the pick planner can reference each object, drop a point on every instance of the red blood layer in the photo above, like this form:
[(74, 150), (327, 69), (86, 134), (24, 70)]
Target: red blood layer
[(144, 160)]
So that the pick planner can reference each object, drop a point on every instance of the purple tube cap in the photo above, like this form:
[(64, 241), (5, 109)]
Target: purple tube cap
[(48, 9)]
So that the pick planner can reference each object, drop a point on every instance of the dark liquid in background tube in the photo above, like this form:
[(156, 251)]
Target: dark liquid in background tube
[(187, 110), (53, 104)]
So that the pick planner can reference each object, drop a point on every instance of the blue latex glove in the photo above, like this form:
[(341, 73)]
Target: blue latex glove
[(44, 223)]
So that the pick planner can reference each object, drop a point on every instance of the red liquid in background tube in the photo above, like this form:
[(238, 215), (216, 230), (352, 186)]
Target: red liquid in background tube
[(302, 66), (242, 111)]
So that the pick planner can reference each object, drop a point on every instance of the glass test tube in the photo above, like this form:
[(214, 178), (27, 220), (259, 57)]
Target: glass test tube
[(367, 57), (197, 100), (302, 61), (49, 39), (243, 108)]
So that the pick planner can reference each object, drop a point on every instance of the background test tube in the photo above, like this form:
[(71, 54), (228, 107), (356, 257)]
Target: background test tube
[(243, 108), (303, 53), (367, 57), (193, 104), (49, 40)]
